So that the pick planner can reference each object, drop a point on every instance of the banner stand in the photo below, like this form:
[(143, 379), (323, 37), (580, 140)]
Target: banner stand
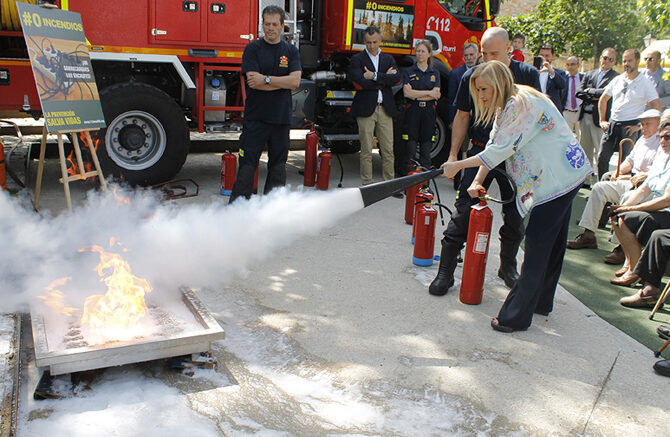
[(65, 178)]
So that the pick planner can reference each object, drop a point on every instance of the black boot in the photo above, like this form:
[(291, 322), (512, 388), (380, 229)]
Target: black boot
[(507, 271), (445, 274)]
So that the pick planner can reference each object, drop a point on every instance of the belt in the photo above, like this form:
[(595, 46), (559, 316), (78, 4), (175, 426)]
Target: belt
[(588, 112), (625, 123), (424, 103), (571, 110)]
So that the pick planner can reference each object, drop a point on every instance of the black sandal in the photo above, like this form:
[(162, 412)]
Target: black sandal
[(495, 324)]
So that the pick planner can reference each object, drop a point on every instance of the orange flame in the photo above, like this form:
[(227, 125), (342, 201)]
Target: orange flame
[(55, 298), (120, 199), (123, 304), (73, 168)]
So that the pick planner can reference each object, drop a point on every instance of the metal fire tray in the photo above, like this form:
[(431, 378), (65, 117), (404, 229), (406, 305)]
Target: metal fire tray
[(78, 359)]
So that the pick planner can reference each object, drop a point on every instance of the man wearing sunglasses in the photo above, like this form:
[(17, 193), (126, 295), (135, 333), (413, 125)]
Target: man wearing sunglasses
[(655, 73), (629, 93), (589, 91)]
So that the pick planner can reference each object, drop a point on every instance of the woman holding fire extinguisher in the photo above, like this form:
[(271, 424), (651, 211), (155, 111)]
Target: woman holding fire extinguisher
[(548, 166), (421, 87)]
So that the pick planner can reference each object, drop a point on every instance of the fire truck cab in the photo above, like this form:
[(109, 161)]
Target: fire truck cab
[(166, 67)]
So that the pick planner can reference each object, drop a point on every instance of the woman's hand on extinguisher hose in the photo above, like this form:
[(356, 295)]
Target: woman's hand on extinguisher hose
[(473, 190), (451, 168)]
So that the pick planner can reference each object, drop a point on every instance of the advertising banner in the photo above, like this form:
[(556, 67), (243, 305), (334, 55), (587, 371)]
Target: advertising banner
[(62, 69), (395, 20)]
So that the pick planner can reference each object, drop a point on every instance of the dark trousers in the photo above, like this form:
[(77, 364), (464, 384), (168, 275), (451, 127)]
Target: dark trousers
[(654, 260), (419, 126), (255, 135), (546, 239), (511, 232), (644, 223), (610, 144)]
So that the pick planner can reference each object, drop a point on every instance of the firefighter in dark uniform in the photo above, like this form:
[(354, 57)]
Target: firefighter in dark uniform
[(272, 69), (495, 47), (421, 87)]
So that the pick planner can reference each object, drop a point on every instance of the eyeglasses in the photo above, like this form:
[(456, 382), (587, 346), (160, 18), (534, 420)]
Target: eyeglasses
[(625, 88), (665, 137), (607, 58), (650, 59)]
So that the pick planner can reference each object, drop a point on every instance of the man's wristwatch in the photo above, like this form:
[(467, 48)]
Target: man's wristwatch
[(267, 80)]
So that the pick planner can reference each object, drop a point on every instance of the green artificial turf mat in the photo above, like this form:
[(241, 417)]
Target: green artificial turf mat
[(587, 277)]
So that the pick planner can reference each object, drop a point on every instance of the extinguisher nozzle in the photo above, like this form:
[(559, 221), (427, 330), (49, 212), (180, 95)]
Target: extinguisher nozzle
[(381, 190)]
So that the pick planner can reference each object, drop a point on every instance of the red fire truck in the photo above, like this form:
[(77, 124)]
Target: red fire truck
[(164, 67)]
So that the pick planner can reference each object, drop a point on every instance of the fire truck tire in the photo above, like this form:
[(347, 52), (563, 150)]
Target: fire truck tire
[(442, 144), (147, 139)]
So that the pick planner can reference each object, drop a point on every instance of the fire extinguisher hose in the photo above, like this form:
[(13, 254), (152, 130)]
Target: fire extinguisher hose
[(19, 143), (512, 185)]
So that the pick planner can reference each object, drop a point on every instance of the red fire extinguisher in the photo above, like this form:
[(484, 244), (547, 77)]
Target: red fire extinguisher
[(228, 172), (476, 252), (311, 142), (423, 196), (323, 170), (410, 200), (424, 246)]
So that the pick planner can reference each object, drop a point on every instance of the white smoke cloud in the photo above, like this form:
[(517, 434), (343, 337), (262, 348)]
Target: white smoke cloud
[(169, 244)]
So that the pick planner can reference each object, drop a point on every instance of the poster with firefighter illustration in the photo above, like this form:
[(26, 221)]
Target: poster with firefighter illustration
[(395, 20), (62, 68)]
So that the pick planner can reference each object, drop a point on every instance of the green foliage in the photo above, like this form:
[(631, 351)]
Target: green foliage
[(536, 31), (656, 14), (582, 27)]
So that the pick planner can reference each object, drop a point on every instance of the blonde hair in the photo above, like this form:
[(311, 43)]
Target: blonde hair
[(428, 47), (499, 77)]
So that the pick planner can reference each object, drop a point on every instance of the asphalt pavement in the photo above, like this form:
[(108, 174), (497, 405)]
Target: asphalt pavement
[(337, 335)]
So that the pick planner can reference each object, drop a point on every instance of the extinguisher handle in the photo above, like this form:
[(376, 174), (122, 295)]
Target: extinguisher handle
[(483, 195)]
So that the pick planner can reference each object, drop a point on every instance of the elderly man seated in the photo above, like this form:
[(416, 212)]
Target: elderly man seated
[(631, 173), (650, 268), (638, 219)]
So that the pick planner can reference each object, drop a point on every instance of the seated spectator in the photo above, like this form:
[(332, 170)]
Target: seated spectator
[(651, 268), (662, 367), (637, 220), (665, 116), (631, 173)]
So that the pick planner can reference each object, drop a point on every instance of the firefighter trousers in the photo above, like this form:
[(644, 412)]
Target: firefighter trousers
[(546, 240), (511, 232), (419, 131), (255, 135)]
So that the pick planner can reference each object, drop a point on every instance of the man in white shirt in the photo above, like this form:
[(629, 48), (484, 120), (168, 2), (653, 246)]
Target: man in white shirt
[(374, 74), (631, 173), (630, 93), (553, 81)]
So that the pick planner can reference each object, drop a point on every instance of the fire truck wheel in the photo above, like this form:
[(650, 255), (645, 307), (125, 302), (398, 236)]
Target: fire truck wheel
[(147, 139), (440, 151)]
